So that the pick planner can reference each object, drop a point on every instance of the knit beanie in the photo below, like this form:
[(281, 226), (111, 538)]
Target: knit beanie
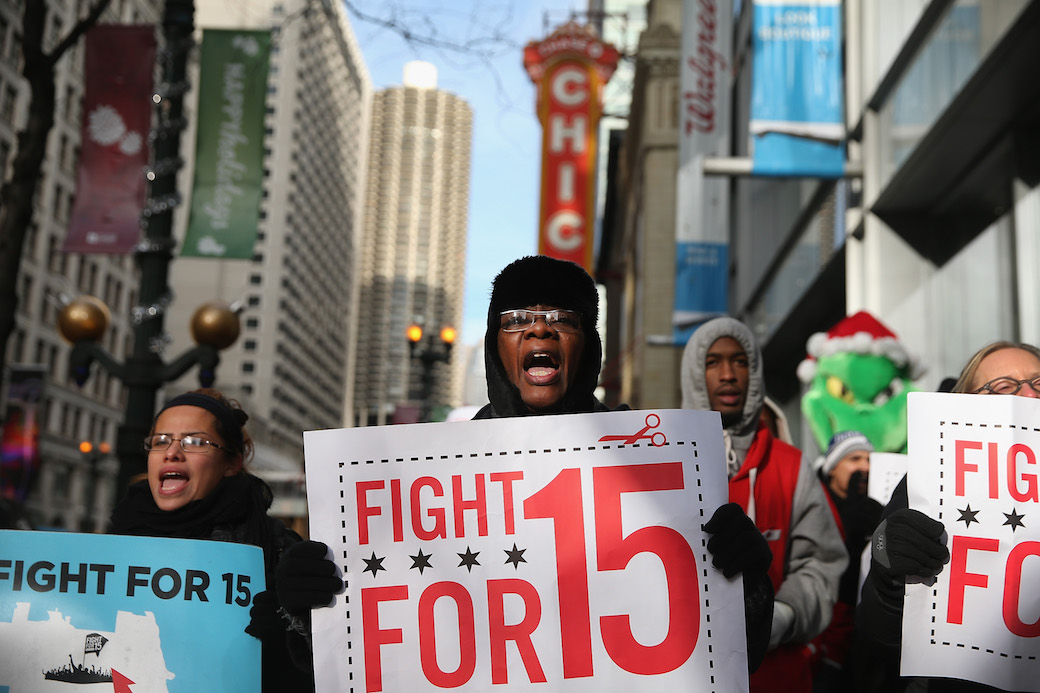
[(542, 280), (841, 445)]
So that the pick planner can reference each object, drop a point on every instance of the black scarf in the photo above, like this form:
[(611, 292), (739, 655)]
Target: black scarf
[(238, 502)]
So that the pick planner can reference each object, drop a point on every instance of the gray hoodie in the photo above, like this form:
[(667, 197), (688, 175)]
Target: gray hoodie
[(816, 555)]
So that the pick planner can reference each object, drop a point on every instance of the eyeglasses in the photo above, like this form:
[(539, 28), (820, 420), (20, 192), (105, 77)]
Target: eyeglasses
[(520, 319), (1008, 386), (162, 441)]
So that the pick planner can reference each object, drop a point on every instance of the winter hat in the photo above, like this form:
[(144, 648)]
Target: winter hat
[(861, 333), (539, 279), (542, 280), (841, 445)]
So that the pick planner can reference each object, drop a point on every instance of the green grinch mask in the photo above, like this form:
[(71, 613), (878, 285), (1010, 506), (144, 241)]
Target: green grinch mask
[(859, 379)]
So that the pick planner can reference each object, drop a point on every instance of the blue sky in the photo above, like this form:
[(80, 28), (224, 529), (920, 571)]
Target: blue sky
[(505, 172)]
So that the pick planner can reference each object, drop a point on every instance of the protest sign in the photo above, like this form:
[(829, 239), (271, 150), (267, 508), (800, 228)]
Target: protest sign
[(887, 469), (973, 466), (132, 613), (518, 553)]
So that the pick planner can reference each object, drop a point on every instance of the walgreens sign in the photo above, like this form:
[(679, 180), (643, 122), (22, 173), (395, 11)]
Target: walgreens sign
[(569, 69)]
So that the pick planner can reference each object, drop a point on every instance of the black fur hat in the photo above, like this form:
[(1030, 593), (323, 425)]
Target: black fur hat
[(541, 280), (538, 279)]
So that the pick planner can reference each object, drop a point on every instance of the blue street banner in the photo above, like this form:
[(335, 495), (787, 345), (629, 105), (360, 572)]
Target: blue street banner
[(702, 212), (797, 93), (229, 146), (134, 614)]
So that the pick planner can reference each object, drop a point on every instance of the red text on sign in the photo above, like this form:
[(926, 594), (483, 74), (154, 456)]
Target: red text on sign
[(428, 518), (971, 457), (1011, 601)]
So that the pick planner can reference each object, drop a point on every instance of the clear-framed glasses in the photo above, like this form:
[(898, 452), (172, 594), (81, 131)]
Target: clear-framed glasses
[(519, 319), (162, 441), (1007, 386)]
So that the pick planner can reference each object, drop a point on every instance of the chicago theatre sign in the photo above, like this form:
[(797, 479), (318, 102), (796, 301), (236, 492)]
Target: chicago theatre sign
[(569, 69)]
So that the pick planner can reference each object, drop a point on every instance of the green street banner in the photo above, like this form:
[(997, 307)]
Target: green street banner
[(229, 147)]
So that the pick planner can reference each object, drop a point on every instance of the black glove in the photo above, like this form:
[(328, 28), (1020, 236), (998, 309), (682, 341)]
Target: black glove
[(736, 545), (265, 623), (305, 578), (860, 515), (908, 543)]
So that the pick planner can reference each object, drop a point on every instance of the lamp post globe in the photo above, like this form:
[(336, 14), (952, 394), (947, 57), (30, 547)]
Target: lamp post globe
[(84, 318), (215, 324)]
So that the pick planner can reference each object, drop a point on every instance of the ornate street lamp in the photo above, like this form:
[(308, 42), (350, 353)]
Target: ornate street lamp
[(213, 326), (83, 321), (428, 355)]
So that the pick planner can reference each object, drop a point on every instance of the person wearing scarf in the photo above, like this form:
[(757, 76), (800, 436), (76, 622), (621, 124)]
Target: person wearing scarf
[(207, 494)]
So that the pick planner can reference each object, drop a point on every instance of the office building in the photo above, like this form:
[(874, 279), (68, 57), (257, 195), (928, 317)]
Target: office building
[(413, 259), (934, 229)]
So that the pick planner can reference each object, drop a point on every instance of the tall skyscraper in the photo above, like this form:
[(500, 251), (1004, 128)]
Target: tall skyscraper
[(292, 363), (414, 252)]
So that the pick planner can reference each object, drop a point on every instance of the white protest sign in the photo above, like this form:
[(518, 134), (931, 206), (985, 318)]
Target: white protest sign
[(973, 467), (887, 469), (518, 553)]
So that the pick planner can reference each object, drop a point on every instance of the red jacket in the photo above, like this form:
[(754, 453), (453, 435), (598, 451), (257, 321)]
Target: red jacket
[(764, 487)]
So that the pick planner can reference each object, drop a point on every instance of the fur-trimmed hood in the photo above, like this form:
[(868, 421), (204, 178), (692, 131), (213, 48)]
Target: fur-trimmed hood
[(531, 281)]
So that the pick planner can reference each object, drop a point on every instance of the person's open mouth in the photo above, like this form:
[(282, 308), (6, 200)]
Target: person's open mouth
[(541, 368), (172, 482)]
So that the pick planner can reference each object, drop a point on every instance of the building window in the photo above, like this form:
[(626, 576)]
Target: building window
[(248, 367)]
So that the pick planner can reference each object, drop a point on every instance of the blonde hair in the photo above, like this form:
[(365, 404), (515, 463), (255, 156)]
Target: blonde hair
[(966, 382)]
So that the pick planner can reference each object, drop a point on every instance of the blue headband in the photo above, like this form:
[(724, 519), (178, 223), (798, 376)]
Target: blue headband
[(230, 425)]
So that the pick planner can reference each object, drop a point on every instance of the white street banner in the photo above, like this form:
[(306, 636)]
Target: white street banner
[(518, 553), (973, 467)]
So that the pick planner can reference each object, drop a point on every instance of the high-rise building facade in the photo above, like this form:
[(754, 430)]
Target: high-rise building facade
[(71, 490), (413, 259), (291, 366)]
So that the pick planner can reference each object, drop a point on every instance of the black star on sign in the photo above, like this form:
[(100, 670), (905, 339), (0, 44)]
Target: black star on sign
[(421, 561), (469, 559), (374, 564), (516, 556), (968, 515), (1015, 520)]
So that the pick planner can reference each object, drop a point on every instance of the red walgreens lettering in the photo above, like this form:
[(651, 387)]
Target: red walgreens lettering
[(706, 64)]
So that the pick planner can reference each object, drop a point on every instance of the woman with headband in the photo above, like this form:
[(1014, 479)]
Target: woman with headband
[(197, 487)]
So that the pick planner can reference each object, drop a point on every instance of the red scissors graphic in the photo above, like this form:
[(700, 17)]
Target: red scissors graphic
[(657, 439)]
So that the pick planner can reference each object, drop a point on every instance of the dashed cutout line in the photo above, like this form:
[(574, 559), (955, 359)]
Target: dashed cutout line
[(942, 474), (473, 455), (503, 453), (705, 562)]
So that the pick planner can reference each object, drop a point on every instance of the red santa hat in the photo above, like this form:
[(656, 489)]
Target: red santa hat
[(861, 333)]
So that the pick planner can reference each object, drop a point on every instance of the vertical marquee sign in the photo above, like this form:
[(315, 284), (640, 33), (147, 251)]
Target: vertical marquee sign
[(569, 69)]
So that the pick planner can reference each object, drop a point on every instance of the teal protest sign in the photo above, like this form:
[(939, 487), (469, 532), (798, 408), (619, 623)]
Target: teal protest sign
[(134, 613)]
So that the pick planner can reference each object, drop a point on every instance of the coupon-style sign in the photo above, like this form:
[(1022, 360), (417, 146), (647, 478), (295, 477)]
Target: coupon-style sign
[(126, 614), (562, 551), (973, 466)]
